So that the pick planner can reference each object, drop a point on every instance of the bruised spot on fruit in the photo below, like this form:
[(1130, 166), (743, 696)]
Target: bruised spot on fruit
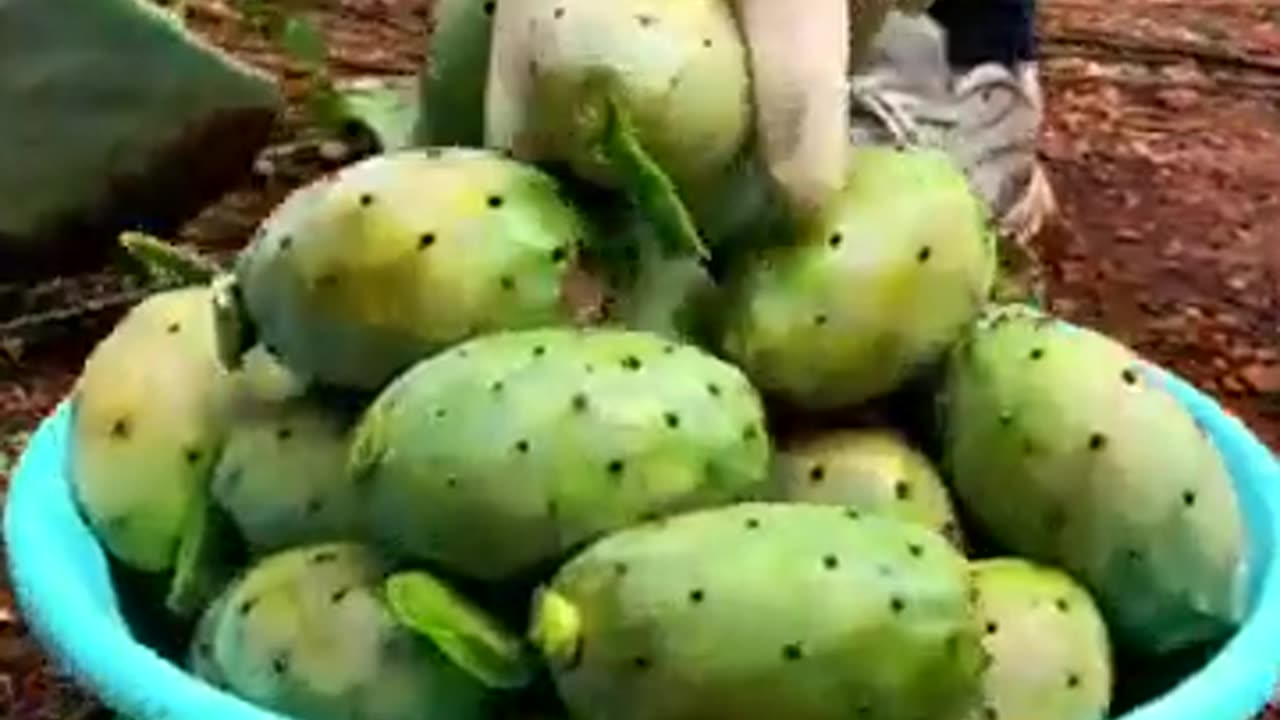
[(792, 652), (817, 474), (121, 428), (1189, 498), (632, 363), (426, 241), (672, 420), (340, 595), (697, 596), (324, 557), (925, 253), (831, 562), (1097, 441), (836, 240)]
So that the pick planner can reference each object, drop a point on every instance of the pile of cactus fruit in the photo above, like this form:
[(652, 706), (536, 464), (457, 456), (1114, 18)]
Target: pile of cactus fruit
[(548, 425)]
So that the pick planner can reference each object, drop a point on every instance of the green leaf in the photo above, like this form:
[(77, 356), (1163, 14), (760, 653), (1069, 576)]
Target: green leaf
[(644, 181), (163, 260), (463, 632), (303, 41)]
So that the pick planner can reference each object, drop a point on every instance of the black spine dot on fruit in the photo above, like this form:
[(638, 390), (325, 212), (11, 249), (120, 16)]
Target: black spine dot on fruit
[(990, 713), (1097, 441), (620, 569), (668, 349), (488, 10), (897, 605), (792, 652), (616, 467), (121, 428), (426, 241), (632, 363), (697, 596), (323, 557), (366, 200), (280, 664), (1189, 498), (714, 389), (852, 514), (750, 433), (993, 627), (522, 446), (559, 255), (641, 663), (831, 562), (284, 434), (247, 606), (820, 320), (507, 282), (580, 402), (286, 242), (192, 456), (1073, 680), (495, 201), (496, 387), (314, 506), (559, 13), (706, 43), (817, 474), (902, 490), (339, 595), (925, 253), (646, 20), (441, 413), (835, 240), (752, 523), (1129, 376), (539, 351), (672, 420), (174, 328), (1062, 605), (1006, 418), (915, 549), (1037, 354), (451, 482)]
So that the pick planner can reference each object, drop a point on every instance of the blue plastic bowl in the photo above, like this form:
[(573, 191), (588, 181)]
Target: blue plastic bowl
[(63, 587)]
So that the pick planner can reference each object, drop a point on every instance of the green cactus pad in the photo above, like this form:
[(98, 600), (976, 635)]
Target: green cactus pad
[(1065, 452), (759, 610), (461, 631), (876, 289), (875, 471), (452, 81), (507, 451), (1049, 646)]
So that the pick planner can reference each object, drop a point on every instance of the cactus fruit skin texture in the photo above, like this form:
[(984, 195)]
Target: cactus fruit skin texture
[(282, 476), (884, 279), (1065, 451), (1049, 647), (678, 67), (873, 470), (306, 632), (356, 277), (141, 457), (507, 451), (764, 610)]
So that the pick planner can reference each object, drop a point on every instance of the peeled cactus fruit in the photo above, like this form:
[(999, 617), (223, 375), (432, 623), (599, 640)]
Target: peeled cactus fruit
[(282, 476), (884, 280), (509, 450), (875, 471), (306, 632), (1067, 451), (1049, 648), (394, 258), (148, 422), (678, 70), (763, 610)]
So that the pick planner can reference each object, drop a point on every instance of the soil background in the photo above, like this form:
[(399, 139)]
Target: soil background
[(1162, 139)]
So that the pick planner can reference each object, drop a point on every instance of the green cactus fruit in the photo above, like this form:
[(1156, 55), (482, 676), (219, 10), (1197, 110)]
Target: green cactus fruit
[(355, 278), (452, 81), (873, 470), (677, 69), (502, 454), (1049, 647), (148, 421), (307, 632), (764, 610), (1065, 450), (884, 280), (283, 478)]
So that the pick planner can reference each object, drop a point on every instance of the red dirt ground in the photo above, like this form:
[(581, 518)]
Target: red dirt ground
[(1162, 139)]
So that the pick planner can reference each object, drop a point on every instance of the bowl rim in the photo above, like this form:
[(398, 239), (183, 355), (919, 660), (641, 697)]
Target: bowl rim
[(77, 620)]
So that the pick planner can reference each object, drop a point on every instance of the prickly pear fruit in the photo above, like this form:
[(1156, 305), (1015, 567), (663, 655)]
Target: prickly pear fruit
[(283, 475), (677, 68), (398, 256), (148, 421), (1067, 451), (874, 470), (1049, 648), (306, 632), (507, 451), (762, 610), (884, 280)]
